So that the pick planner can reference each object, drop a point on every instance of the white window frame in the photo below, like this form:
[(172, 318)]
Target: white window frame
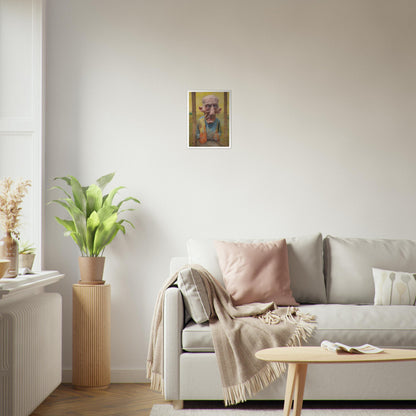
[(33, 126)]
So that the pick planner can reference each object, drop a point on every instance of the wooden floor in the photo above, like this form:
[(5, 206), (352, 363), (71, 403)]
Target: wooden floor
[(118, 400), (130, 399)]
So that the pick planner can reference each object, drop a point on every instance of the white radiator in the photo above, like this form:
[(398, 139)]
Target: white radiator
[(30, 352)]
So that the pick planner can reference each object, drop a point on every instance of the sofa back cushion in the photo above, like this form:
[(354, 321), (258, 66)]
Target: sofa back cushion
[(176, 263), (349, 263), (305, 264), (203, 252)]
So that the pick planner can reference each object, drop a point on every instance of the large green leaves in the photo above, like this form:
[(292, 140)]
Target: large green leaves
[(94, 219), (94, 198), (130, 198), (109, 198), (106, 231), (77, 227), (105, 180), (78, 194)]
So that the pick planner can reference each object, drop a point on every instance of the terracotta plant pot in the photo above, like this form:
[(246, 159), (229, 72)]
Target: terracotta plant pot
[(91, 270)]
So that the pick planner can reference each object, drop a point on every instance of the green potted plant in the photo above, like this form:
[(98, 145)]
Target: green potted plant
[(94, 222), (27, 253)]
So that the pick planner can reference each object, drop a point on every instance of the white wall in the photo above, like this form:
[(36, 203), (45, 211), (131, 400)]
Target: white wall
[(323, 101)]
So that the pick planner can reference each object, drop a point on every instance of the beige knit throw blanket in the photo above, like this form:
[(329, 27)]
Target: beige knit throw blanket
[(237, 333)]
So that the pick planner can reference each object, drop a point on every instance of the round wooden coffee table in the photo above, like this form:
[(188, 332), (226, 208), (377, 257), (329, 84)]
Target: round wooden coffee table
[(298, 359)]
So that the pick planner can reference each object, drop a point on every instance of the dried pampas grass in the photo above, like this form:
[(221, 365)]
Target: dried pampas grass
[(11, 198)]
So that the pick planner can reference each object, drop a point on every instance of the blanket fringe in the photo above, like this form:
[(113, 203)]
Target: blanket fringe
[(305, 327), (241, 392), (156, 380), (270, 318), (305, 323)]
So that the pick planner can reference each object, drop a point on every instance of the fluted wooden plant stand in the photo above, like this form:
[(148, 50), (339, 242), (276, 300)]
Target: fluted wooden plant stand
[(91, 344)]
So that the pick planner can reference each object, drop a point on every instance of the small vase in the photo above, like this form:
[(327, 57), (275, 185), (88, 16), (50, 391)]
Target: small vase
[(9, 250), (26, 261), (91, 270)]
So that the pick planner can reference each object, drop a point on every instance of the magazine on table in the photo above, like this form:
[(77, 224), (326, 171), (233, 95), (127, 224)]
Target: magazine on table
[(339, 347)]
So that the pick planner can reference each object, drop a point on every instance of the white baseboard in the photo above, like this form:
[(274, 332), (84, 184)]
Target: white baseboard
[(117, 376)]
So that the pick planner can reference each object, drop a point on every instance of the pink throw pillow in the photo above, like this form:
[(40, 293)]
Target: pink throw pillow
[(256, 272)]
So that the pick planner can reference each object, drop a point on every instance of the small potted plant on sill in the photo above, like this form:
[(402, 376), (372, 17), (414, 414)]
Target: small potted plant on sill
[(94, 222), (27, 253)]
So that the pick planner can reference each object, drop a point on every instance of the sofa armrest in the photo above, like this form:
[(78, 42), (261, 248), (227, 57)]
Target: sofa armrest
[(173, 318)]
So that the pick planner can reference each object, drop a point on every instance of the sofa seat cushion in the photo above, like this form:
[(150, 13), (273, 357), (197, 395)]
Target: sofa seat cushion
[(197, 338), (388, 326), (391, 326)]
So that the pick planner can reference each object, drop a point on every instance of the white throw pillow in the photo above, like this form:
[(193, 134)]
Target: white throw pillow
[(394, 288), (194, 294)]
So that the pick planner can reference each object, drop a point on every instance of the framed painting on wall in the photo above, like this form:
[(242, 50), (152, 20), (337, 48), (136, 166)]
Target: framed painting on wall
[(209, 120)]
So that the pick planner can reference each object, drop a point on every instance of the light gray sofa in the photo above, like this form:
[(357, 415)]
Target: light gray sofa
[(332, 279)]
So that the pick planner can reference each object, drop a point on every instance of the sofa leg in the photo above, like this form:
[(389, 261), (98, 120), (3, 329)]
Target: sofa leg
[(177, 404)]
